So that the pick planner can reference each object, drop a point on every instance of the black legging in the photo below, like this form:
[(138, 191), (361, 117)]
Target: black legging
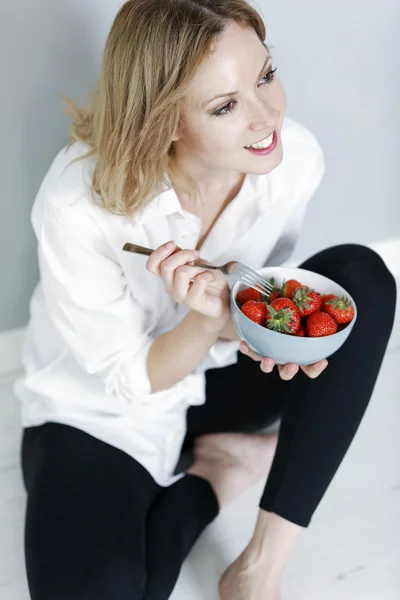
[(99, 528)]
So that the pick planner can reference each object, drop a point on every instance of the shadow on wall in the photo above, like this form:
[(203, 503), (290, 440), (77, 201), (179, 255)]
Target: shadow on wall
[(49, 48)]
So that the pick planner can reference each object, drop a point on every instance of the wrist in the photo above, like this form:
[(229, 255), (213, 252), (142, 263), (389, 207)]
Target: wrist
[(229, 332), (212, 325)]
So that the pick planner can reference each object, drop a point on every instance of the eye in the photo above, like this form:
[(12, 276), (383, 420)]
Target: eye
[(225, 110), (270, 75)]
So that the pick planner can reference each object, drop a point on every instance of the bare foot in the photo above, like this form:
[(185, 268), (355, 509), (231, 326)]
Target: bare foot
[(242, 582), (233, 462)]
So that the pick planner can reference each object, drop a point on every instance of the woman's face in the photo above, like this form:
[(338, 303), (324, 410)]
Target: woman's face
[(217, 130)]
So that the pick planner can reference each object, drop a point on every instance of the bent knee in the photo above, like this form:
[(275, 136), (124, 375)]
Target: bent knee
[(363, 271)]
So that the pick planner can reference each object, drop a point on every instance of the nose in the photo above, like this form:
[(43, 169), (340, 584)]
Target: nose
[(263, 117)]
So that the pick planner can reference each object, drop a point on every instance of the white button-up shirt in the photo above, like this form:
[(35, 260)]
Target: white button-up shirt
[(96, 309)]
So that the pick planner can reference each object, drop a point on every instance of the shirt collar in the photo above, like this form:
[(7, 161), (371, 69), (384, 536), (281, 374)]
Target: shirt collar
[(165, 203), (254, 189)]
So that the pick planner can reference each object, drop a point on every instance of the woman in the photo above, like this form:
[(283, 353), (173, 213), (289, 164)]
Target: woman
[(130, 360)]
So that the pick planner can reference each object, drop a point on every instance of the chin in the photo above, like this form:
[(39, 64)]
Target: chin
[(276, 160), (266, 164), (268, 167)]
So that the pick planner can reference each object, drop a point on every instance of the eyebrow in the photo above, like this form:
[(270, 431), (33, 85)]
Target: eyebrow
[(205, 104)]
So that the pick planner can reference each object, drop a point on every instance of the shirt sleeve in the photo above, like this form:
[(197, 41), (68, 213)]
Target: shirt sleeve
[(91, 305), (287, 241)]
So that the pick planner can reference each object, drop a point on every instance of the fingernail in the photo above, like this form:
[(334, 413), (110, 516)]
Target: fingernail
[(243, 347), (170, 245), (267, 366), (291, 370)]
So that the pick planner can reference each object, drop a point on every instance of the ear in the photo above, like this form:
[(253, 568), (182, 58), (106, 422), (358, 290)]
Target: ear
[(176, 137), (179, 130)]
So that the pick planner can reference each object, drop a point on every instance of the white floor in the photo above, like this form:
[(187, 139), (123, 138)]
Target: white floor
[(350, 552)]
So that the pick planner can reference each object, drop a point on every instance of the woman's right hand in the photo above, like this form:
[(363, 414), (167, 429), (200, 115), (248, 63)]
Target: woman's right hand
[(206, 292)]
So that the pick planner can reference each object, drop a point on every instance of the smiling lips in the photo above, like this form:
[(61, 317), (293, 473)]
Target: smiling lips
[(266, 146), (264, 143)]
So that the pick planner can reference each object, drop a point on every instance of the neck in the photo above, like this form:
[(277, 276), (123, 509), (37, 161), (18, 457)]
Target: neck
[(211, 199), (215, 186)]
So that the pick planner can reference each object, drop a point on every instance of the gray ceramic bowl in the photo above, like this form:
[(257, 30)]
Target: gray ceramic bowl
[(288, 348)]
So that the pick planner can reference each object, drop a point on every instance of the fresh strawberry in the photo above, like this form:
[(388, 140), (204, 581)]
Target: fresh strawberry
[(320, 324), (339, 309), (249, 294), (289, 287), (302, 331), (276, 290), (274, 295), (325, 298), (256, 311), (281, 303), (307, 300), (283, 316)]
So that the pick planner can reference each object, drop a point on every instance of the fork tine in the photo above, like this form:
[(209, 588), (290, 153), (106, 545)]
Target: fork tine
[(256, 279), (255, 283), (255, 276), (255, 286)]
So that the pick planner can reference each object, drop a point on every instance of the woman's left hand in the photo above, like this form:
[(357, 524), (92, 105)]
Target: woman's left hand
[(288, 371)]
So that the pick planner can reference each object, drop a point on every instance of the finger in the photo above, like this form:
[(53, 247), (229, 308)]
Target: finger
[(169, 265), (184, 276), (315, 369), (267, 364), (182, 284), (195, 271), (198, 288), (244, 348), (158, 255), (288, 371)]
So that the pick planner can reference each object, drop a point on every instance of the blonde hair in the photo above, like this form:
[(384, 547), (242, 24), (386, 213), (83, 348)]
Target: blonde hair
[(152, 53)]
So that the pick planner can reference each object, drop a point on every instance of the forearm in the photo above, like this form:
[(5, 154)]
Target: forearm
[(175, 354), (229, 332)]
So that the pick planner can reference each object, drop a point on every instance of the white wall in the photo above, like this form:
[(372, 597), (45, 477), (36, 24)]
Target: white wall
[(338, 61), (47, 47)]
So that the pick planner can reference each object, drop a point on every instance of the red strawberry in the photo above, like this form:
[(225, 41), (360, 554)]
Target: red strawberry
[(289, 287), (339, 309), (276, 291), (256, 311), (283, 316), (320, 324), (325, 298), (280, 303), (274, 295), (248, 294), (307, 301), (302, 331)]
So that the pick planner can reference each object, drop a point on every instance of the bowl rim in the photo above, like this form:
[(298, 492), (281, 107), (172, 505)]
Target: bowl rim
[(298, 338)]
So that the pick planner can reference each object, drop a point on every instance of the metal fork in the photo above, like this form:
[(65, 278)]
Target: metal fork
[(233, 270)]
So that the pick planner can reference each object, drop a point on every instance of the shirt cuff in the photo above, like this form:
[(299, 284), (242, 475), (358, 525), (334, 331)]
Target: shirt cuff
[(131, 381), (130, 377)]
